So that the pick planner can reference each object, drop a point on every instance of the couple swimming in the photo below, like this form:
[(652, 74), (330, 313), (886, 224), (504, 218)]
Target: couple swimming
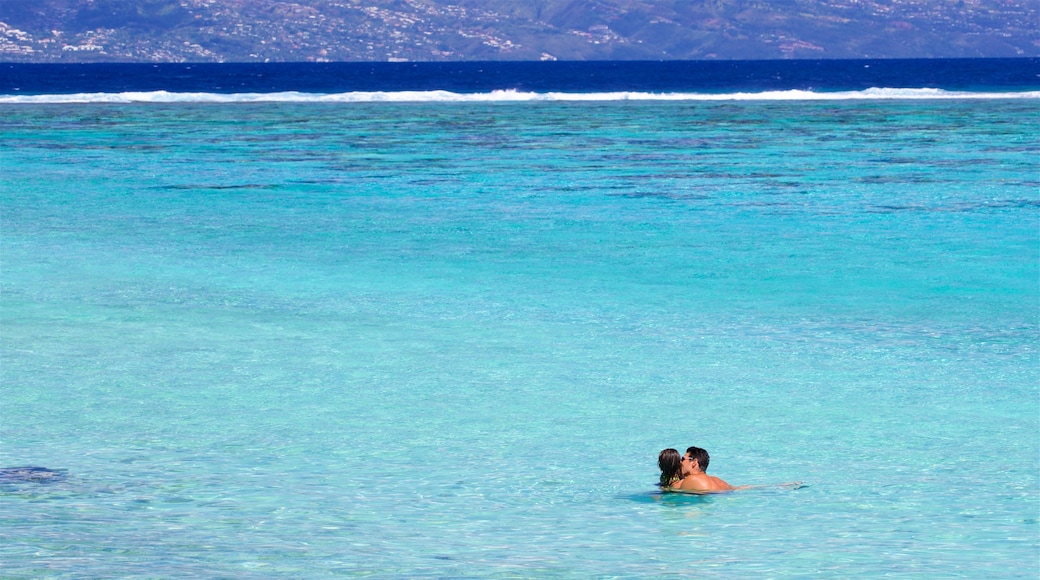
[(687, 473)]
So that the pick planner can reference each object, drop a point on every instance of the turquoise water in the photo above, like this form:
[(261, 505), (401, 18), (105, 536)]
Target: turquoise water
[(449, 339)]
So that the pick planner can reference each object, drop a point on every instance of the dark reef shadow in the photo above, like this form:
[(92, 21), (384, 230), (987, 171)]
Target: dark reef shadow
[(31, 474)]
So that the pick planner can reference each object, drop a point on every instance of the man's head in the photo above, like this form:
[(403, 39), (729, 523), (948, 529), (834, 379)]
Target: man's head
[(699, 455)]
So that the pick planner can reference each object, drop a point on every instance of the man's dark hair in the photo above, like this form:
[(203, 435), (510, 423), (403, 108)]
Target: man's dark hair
[(700, 455)]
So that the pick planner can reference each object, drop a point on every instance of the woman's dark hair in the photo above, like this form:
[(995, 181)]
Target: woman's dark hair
[(670, 463)]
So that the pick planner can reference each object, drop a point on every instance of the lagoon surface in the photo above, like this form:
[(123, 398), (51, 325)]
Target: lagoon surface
[(447, 339)]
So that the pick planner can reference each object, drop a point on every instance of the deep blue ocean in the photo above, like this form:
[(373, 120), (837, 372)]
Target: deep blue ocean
[(710, 77), (402, 320)]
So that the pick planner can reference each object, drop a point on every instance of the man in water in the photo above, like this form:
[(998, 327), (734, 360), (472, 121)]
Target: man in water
[(694, 464)]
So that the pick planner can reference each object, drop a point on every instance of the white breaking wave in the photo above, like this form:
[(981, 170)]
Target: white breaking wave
[(504, 96)]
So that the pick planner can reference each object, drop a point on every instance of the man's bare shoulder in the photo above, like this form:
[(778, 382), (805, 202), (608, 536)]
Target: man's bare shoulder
[(719, 484), (703, 483)]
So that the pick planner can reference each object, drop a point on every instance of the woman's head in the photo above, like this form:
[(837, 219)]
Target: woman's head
[(670, 463)]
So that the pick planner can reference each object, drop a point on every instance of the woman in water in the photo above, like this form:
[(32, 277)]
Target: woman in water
[(670, 463)]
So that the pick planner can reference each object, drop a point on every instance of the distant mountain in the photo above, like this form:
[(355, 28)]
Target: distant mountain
[(429, 30)]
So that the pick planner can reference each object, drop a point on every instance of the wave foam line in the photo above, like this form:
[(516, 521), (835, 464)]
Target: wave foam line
[(502, 96)]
